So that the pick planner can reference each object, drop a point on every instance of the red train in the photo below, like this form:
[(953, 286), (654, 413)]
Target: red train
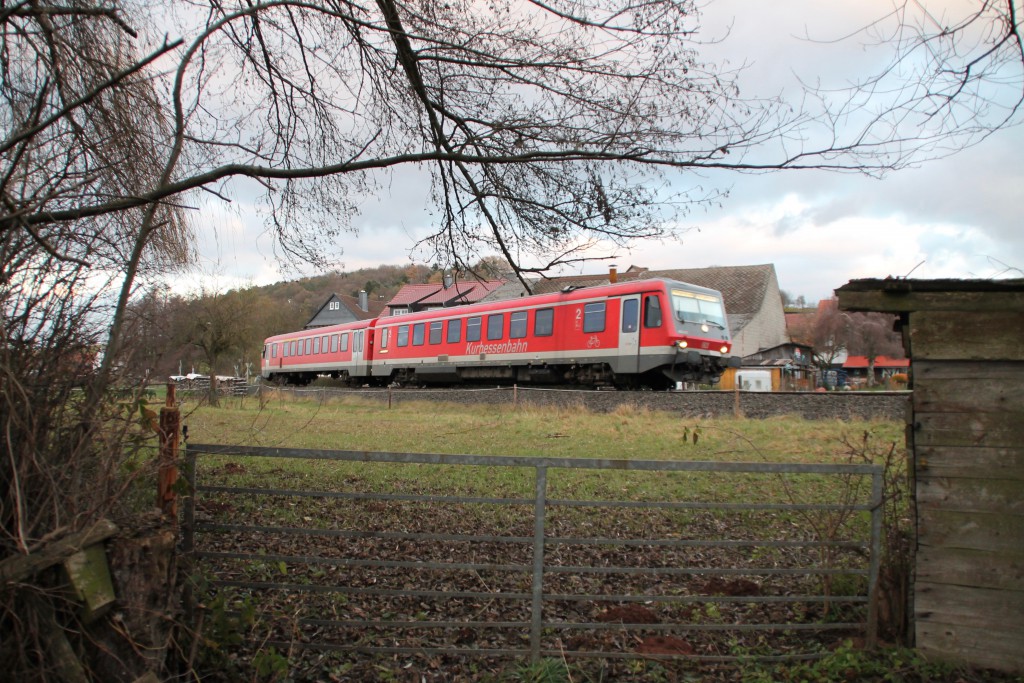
[(639, 334)]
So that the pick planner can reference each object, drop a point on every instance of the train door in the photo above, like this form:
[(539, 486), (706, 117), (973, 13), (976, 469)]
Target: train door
[(629, 334), (359, 354)]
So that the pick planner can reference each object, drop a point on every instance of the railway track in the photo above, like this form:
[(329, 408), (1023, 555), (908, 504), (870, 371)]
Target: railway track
[(889, 405)]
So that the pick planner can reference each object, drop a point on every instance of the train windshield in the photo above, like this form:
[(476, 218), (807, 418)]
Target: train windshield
[(693, 307)]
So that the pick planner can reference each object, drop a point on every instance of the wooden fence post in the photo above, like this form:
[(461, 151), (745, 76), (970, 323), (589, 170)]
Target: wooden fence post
[(170, 429)]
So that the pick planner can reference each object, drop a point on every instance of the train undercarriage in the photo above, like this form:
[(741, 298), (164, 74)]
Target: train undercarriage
[(693, 368)]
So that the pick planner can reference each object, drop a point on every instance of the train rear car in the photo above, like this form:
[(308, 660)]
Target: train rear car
[(340, 351)]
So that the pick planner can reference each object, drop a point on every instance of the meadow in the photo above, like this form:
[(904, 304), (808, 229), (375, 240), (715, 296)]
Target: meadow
[(627, 433)]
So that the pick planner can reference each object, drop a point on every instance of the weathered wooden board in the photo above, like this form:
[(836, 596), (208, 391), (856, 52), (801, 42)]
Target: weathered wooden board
[(967, 369), (970, 530), (980, 568), (981, 647), (19, 567), (990, 430), (967, 335), (970, 606), (899, 302), (970, 463), (971, 495), (986, 387), (89, 576)]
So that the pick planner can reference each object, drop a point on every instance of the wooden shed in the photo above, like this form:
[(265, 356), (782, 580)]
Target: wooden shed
[(966, 437)]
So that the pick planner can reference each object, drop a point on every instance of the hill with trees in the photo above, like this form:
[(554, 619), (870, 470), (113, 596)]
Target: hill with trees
[(222, 332)]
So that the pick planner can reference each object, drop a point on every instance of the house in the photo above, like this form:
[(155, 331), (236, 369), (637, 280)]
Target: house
[(413, 298), (344, 309), (789, 365)]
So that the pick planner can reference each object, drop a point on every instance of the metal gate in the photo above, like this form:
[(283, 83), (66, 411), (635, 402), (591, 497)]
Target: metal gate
[(404, 553)]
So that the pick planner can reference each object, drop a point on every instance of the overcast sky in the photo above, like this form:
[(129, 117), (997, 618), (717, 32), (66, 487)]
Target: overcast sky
[(957, 217)]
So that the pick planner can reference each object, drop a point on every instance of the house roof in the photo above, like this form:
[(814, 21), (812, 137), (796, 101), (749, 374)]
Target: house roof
[(410, 294), (857, 362), (742, 287), (798, 326), (461, 293), (324, 316), (436, 294)]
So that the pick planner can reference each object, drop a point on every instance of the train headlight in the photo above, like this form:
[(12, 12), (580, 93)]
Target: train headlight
[(725, 348), (682, 343)]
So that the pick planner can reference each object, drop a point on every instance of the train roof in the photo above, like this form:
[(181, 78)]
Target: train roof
[(744, 288), (571, 293)]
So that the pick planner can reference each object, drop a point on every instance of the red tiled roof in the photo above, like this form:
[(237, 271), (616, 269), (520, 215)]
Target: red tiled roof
[(410, 294), (798, 326), (467, 292), (880, 362)]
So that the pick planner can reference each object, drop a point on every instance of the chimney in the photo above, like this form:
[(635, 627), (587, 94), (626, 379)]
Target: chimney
[(447, 280), (613, 273), (364, 301)]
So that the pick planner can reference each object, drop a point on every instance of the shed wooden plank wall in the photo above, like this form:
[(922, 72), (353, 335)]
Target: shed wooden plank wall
[(966, 344)]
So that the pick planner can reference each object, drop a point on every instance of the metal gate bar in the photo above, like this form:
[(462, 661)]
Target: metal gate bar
[(539, 543)]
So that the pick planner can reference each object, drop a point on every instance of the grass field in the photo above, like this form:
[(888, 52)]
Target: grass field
[(354, 424), (628, 433)]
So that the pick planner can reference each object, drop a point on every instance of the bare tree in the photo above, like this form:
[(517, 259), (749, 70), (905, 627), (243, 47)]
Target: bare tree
[(834, 332), (544, 126), (956, 73), (828, 333), (219, 324), (872, 335)]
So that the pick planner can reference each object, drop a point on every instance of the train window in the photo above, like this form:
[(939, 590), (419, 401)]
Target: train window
[(496, 326), (294, 351), (630, 315), (344, 341), (309, 346), (517, 325), (455, 331), (403, 335), (273, 350), (418, 332), (652, 311), (384, 334), (334, 343), (357, 341), (323, 344), (593, 317), (436, 329), (316, 345), (544, 322), (473, 329)]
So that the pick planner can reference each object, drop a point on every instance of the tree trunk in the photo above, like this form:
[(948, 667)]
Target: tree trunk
[(144, 568)]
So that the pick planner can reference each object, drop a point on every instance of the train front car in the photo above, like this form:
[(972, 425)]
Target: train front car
[(696, 346)]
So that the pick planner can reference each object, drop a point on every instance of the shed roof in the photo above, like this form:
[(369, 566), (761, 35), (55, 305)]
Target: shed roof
[(857, 362)]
